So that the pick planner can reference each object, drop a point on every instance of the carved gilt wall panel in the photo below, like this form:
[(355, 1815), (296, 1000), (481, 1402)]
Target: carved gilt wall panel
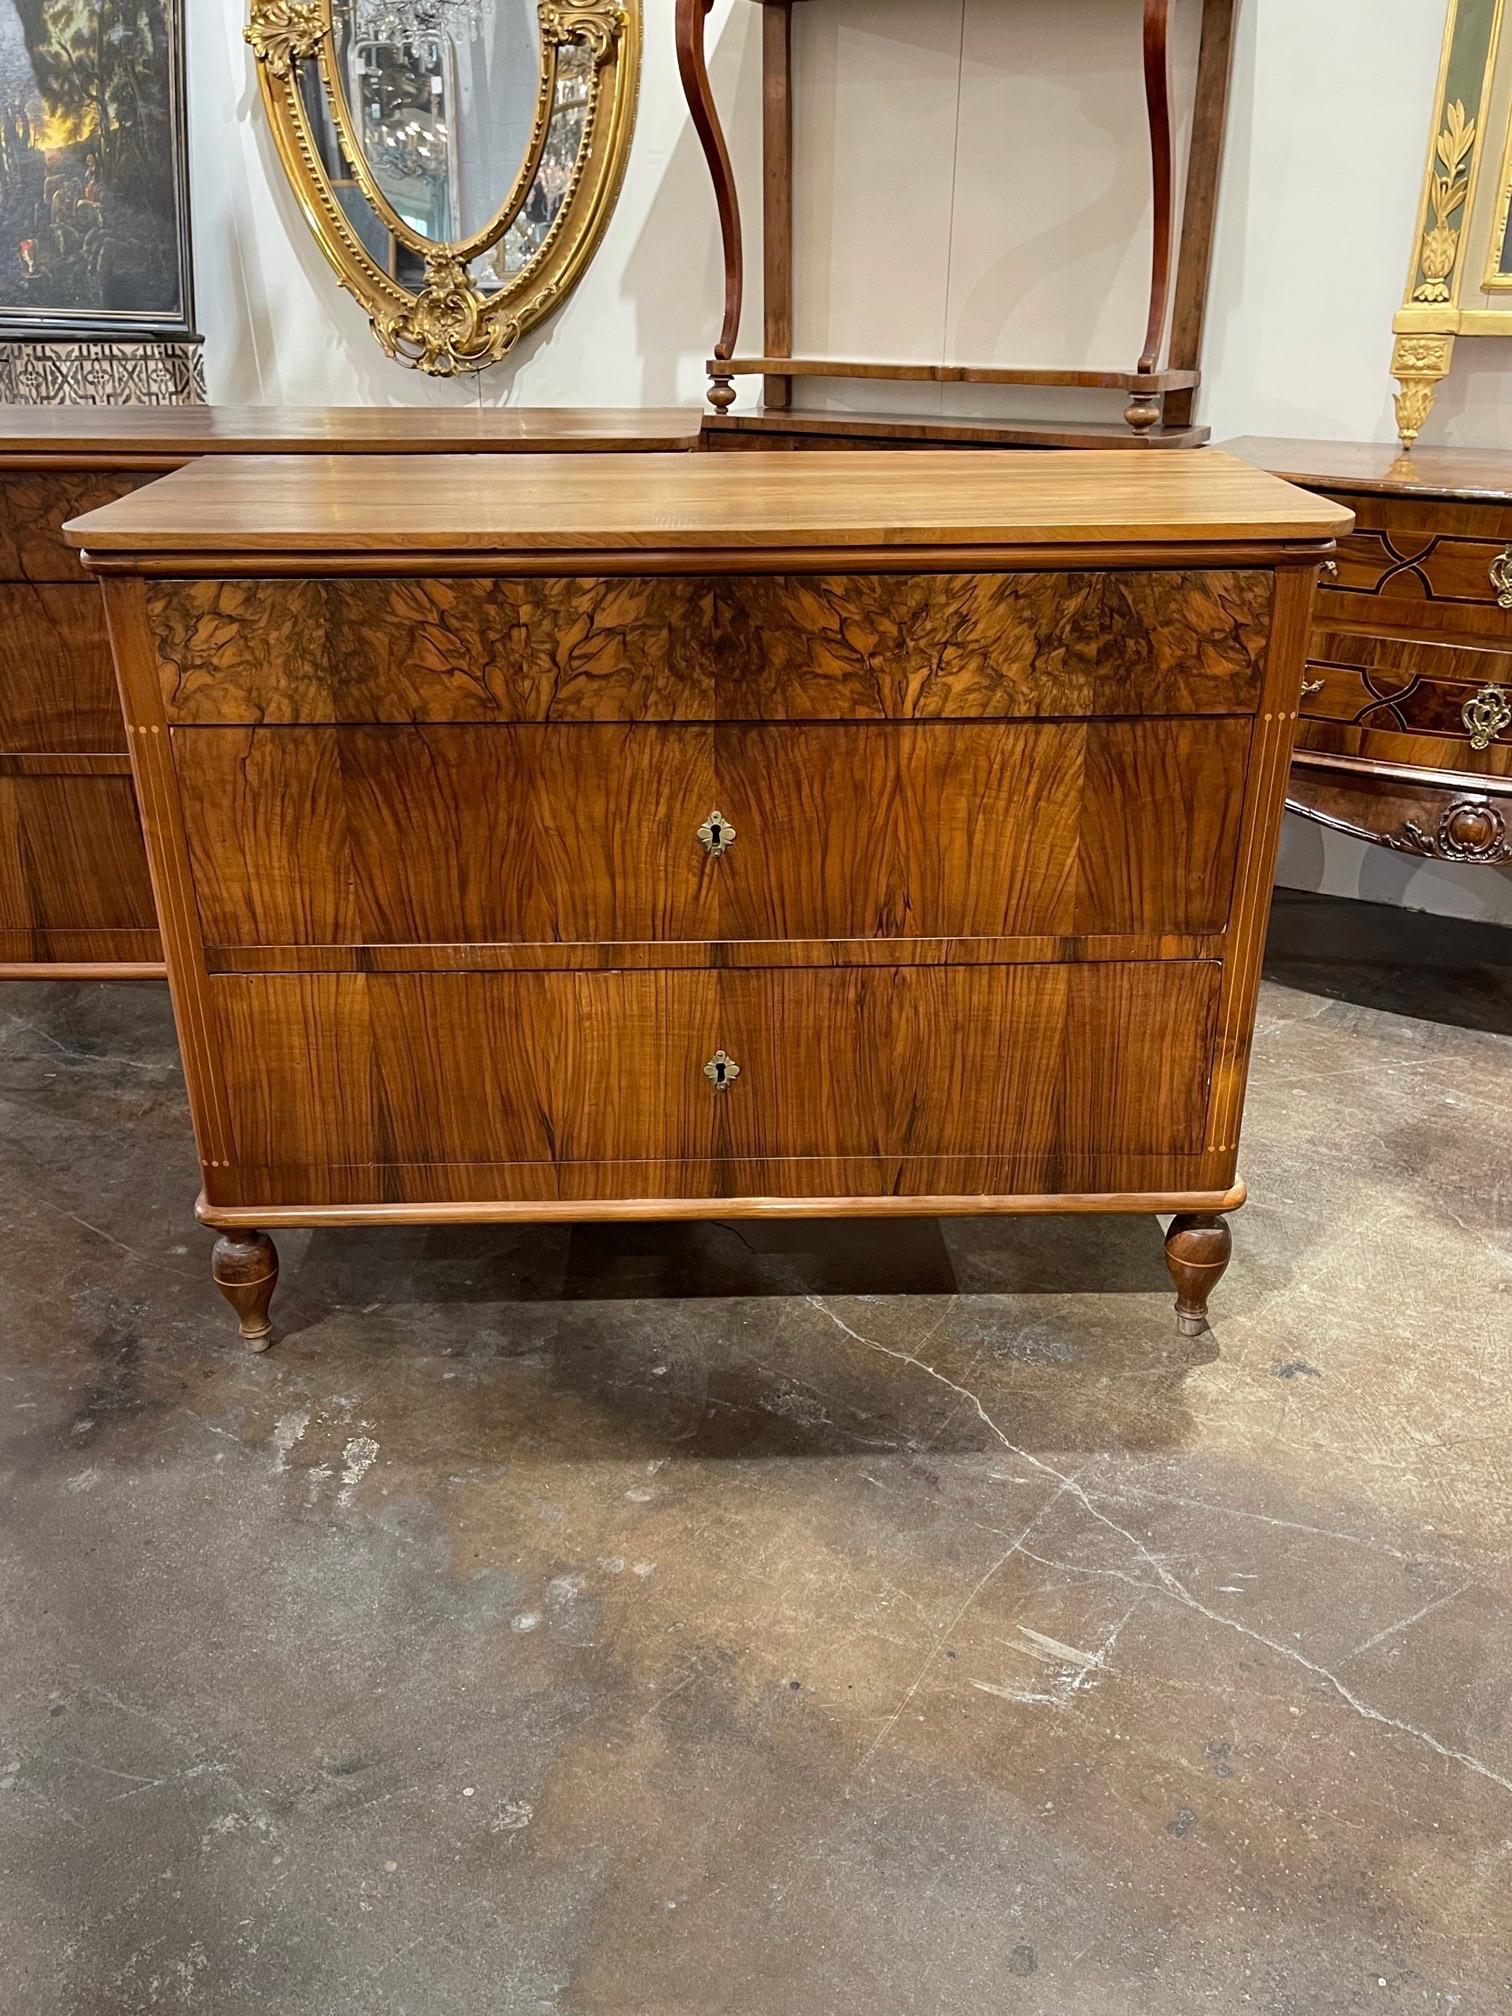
[(1461, 275)]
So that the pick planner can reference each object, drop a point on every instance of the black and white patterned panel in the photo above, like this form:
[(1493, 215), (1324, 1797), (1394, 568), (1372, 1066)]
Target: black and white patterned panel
[(164, 372)]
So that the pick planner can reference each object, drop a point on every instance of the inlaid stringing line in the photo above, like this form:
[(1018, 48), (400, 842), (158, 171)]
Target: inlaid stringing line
[(161, 786)]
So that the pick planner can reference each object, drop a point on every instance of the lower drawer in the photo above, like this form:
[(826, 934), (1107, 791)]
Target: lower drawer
[(355, 1071), (1404, 752), (73, 870)]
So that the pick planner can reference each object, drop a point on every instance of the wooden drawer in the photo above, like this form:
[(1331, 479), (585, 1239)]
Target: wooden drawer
[(357, 1072), (33, 509), (588, 835), (1407, 686), (72, 861), (1423, 566), (748, 647), (57, 685), (1418, 752)]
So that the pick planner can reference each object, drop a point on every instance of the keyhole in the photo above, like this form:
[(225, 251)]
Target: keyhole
[(721, 1071), (716, 834)]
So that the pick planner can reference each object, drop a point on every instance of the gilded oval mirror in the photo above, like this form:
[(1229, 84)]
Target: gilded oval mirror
[(457, 159)]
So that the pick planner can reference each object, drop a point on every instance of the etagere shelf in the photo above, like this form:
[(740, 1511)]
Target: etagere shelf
[(1159, 398)]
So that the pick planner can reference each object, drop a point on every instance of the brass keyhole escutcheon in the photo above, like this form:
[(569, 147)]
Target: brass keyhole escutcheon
[(716, 835), (1486, 713), (1501, 579), (721, 1071)]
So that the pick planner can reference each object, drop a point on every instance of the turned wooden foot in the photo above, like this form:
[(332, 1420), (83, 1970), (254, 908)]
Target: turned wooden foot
[(245, 1267), (1197, 1250)]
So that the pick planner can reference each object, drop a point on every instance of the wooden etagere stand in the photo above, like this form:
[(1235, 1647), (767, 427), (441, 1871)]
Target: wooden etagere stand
[(1158, 398)]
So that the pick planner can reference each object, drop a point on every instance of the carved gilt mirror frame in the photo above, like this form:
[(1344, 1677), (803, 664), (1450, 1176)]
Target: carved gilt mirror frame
[(452, 319), (1461, 278)]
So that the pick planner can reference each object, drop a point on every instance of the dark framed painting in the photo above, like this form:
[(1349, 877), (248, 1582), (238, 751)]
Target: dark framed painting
[(94, 185)]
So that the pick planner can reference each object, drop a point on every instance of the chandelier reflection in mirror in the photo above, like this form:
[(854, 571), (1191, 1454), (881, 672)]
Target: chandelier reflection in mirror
[(413, 21), (457, 159)]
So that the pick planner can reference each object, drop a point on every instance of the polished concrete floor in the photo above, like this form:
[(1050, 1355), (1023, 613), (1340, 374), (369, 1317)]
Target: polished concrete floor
[(846, 1620)]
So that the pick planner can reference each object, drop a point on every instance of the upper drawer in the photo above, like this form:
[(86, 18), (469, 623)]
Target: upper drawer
[(57, 688), (1421, 578), (590, 834), (755, 647), (1407, 686), (33, 509)]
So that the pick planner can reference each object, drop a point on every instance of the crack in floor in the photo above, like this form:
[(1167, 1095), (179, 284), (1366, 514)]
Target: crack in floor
[(1166, 1583)]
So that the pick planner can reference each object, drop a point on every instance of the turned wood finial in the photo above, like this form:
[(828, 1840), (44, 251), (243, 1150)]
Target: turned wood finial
[(1142, 411), (721, 394)]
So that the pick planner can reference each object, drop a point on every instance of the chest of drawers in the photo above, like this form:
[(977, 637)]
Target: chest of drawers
[(692, 836), (75, 898), (1406, 730)]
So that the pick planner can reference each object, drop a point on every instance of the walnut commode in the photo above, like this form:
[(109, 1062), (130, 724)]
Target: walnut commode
[(712, 837)]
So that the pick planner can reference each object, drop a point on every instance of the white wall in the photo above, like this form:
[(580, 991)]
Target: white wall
[(279, 331), (972, 185)]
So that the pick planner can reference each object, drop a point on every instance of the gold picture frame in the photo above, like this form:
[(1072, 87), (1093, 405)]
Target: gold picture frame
[(448, 323), (1452, 292)]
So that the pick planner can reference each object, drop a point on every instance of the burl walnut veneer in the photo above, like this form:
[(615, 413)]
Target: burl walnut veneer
[(75, 899), (692, 836)]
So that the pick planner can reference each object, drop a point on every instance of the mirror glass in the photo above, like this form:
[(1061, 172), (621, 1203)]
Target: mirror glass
[(442, 96)]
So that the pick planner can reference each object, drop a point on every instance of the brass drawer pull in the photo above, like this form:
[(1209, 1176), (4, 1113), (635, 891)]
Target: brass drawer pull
[(721, 1071), (1501, 579), (1312, 686), (1486, 713), (1331, 569), (716, 835)]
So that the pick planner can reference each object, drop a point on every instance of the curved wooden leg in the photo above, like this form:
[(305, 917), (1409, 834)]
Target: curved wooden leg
[(692, 65), (1144, 408), (245, 1267), (1197, 1249)]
